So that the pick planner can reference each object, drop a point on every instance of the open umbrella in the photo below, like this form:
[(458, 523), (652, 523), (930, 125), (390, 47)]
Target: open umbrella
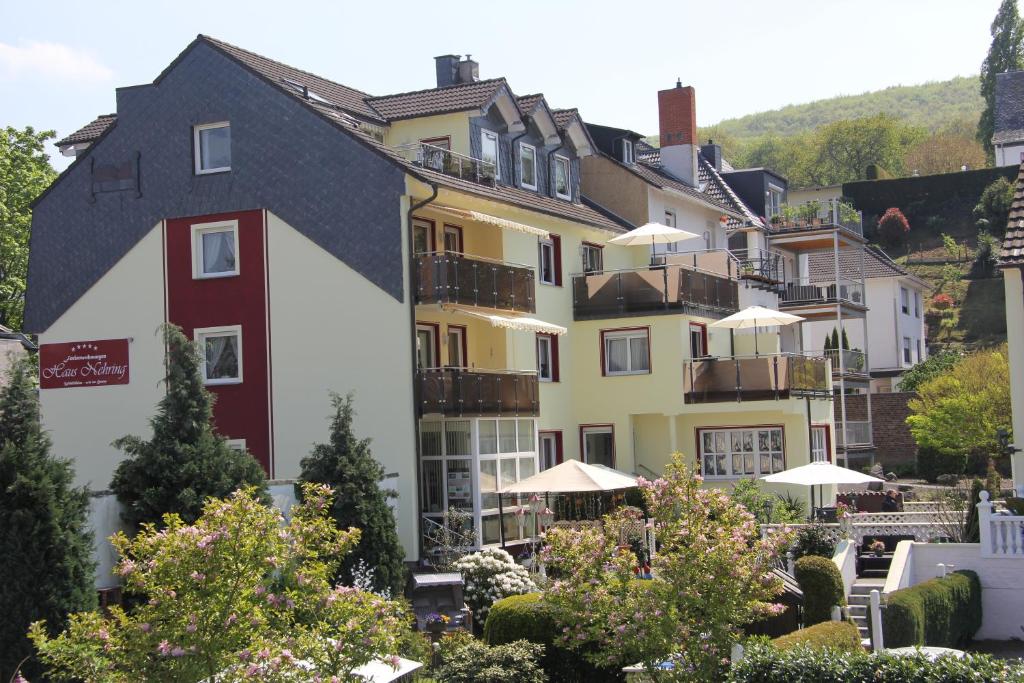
[(652, 233), (573, 476), (819, 474), (756, 316)]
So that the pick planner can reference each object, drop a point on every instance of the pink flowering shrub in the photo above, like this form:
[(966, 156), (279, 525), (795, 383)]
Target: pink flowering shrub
[(237, 595), (712, 573)]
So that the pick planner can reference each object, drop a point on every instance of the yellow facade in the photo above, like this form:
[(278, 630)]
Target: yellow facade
[(453, 126)]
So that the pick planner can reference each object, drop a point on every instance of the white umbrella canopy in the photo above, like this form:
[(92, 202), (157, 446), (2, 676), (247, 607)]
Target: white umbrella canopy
[(652, 233), (819, 473), (756, 316), (573, 476)]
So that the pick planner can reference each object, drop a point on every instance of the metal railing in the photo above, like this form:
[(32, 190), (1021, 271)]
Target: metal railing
[(458, 392), (657, 289), (761, 264), (854, 433), (849, 291), (753, 378), (816, 214), (451, 278), (449, 163), (715, 261)]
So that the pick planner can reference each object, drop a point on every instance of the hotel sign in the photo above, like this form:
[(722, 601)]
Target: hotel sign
[(83, 364)]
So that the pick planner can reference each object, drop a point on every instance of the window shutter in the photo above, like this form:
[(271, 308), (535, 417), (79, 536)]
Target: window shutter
[(554, 360), (556, 241), (558, 447)]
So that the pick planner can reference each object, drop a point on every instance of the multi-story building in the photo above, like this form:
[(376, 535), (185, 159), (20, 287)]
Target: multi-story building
[(1011, 261), (1008, 126)]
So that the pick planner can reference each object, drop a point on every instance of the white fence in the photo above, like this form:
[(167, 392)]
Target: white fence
[(1001, 535), (922, 526)]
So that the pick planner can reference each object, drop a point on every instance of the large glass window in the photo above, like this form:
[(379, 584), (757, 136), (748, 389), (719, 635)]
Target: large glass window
[(212, 147), (754, 451), (550, 449), (626, 352), (221, 349), (598, 445), (528, 166)]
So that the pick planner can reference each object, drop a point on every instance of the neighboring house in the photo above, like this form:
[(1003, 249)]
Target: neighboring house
[(821, 193), (1008, 131), (895, 320), (13, 345), (1011, 260)]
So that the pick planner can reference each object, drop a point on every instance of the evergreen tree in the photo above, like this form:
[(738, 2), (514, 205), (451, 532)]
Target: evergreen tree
[(835, 339), (347, 466), (1005, 54), (46, 565), (186, 461), (846, 341), (828, 343)]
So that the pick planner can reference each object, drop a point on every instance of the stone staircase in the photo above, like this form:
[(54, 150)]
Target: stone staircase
[(859, 601)]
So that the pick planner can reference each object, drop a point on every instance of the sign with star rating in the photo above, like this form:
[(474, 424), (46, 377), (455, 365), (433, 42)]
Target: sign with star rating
[(83, 364)]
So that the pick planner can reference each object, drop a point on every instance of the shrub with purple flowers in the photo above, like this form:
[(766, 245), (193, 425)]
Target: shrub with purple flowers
[(711, 574), (237, 595)]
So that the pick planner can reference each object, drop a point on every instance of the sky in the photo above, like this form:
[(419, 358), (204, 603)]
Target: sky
[(59, 64)]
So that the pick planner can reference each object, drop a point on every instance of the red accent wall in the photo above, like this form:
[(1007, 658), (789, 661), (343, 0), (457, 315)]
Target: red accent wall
[(242, 411)]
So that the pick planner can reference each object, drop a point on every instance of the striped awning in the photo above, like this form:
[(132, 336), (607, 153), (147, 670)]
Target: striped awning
[(480, 217), (511, 322)]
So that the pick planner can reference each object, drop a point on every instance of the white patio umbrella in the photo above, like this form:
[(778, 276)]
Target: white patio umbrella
[(573, 476), (652, 233), (819, 474), (756, 316)]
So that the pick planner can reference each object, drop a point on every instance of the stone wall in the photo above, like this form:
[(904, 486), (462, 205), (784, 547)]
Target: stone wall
[(893, 442)]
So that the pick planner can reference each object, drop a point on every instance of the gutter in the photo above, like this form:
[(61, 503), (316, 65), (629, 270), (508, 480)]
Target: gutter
[(26, 343)]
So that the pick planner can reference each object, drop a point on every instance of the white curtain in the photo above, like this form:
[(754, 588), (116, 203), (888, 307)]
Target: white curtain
[(617, 350), (638, 356), (218, 252), (221, 357)]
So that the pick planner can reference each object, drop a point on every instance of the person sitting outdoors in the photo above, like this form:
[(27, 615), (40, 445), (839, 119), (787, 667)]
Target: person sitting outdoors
[(890, 503)]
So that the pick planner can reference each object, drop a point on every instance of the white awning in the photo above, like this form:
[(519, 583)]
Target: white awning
[(510, 322), (467, 214)]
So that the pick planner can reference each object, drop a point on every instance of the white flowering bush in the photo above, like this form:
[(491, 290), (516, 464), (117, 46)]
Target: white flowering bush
[(491, 575)]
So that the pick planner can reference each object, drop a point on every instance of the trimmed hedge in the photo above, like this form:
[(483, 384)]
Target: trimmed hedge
[(837, 635), (941, 612), (822, 584)]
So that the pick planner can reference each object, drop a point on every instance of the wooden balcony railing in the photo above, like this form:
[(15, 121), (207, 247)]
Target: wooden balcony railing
[(647, 291), (755, 378), (451, 278), (458, 392)]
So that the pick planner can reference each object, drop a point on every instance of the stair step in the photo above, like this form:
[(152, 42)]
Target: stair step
[(858, 598), (857, 610)]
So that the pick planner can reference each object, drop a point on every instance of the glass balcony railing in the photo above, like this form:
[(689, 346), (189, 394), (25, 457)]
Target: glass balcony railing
[(451, 278), (653, 290), (855, 433), (459, 392), (853, 361), (818, 214), (760, 264), (449, 163), (754, 378), (848, 291)]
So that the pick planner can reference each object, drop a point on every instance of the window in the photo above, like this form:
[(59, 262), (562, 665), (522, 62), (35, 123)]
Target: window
[(593, 258), (212, 147), (453, 239), (917, 304), (527, 166), (489, 151), (743, 452), (698, 340), (563, 178), (906, 350), (550, 260), (819, 444), (626, 352), (550, 449), (457, 346), (905, 300), (774, 197), (427, 337), (422, 236), (917, 343), (597, 443), (221, 348), (671, 247), (215, 249), (547, 357), (444, 142), (627, 151), (236, 444)]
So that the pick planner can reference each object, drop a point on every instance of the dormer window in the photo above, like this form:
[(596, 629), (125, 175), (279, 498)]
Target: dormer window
[(563, 178), (527, 166), (627, 151), (489, 151)]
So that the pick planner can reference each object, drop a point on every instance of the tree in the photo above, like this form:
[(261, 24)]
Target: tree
[(712, 573), (25, 172), (1006, 53), (993, 209), (935, 365), (944, 152), (45, 543), (239, 595), (893, 227), (835, 339), (185, 461), (842, 150), (346, 464)]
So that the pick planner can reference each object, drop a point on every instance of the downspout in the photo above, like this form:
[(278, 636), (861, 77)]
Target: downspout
[(416, 395)]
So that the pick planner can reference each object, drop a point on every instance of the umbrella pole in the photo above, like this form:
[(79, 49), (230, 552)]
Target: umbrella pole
[(755, 338), (501, 522)]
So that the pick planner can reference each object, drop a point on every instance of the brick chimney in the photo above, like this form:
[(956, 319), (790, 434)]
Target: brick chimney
[(677, 119)]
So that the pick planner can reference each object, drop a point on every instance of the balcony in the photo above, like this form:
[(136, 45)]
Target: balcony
[(815, 215), (857, 433), (760, 265), (821, 293), (471, 392), (651, 291), (755, 378), (854, 362), (449, 163), (450, 278)]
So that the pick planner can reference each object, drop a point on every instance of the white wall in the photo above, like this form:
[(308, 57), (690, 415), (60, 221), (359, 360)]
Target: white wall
[(127, 302), (1009, 155), (1014, 289)]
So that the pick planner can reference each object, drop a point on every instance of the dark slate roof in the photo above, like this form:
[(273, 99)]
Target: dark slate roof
[(90, 131), (1012, 253), (645, 151), (821, 266), (453, 98), (715, 186), (1009, 118)]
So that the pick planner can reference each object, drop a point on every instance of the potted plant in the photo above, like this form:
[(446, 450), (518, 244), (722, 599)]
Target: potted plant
[(788, 215), (877, 547), (436, 622)]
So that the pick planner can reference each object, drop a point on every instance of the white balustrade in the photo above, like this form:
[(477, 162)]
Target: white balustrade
[(1001, 535)]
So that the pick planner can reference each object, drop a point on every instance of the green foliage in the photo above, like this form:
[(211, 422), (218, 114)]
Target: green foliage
[(346, 464), (25, 172), (942, 612), (813, 539), (186, 461), (45, 542), (972, 532), (837, 635), (933, 463), (766, 508), (932, 367), (993, 208), (835, 339), (491, 574), (767, 664), (986, 256), (822, 584), (465, 660), (1006, 53), (239, 595)]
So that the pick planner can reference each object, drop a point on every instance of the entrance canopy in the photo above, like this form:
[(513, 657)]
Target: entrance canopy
[(573, 476), (819, 474)]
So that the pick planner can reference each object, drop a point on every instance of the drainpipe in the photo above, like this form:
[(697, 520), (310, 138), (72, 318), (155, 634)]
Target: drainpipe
[(415, 356)]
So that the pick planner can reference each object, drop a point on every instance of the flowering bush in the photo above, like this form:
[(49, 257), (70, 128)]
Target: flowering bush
[(893, 226), (711, 574), (942, 302), (237, 595), (491, 575), (467, 660)]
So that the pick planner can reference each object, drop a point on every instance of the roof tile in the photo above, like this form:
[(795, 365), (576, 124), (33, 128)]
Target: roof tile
[(90, 131), (433, 101), (1012, 252)]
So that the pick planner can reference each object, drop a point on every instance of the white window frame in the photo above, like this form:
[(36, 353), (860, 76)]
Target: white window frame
[(542, 439), (461, 345), (596, 429), (546, 246), (905, 300), (198, 149), (491, 135), (200, 229), (819, 451), (545, 340), (585, 249), (523, 148), (628, 336), (774, 199), (200, 335), (917, 304), (236, 444), (756, 453), (907, 353), (568, 176), (436, 352), (628, 157)]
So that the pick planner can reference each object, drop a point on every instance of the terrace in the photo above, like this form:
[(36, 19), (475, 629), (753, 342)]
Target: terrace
[(473, 392), (449, 163), (755, 378), (453, 278)]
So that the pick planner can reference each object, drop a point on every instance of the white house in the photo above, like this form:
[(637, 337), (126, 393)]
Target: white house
[(1008, 132)]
